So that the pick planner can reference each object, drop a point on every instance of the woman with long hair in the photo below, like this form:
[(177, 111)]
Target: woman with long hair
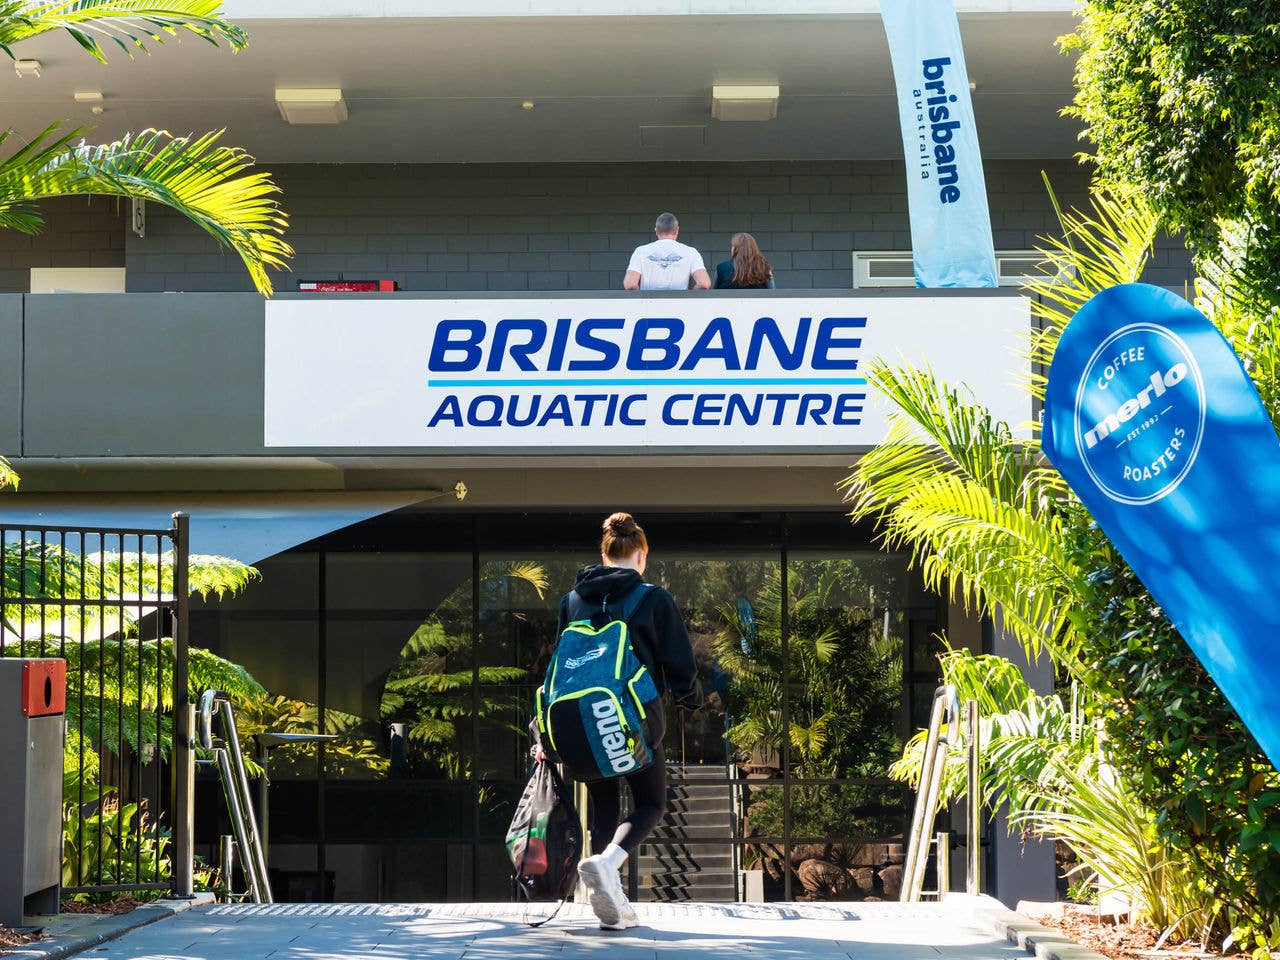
[(661, 643), (746, 267)]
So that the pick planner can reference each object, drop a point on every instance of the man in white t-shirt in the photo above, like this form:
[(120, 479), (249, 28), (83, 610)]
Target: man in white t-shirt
[(666, 264)]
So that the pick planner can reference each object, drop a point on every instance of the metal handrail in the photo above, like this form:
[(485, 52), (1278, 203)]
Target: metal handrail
[(973, 810), (235, 789), (946, 706)]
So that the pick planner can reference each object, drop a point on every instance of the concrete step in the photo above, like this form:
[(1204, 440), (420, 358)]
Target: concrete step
[(669, 893), (698, 818), (676, 832), (677, 862), (688, 775)]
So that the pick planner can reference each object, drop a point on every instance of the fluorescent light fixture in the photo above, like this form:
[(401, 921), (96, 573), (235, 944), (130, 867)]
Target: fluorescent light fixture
[(745, 102), (27, 68), (324, 105), (88, 96)]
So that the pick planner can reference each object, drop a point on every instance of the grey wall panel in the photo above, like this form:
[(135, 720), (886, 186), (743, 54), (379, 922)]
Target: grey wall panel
[(10, 376), (77, 232), (111, 375), (572, 226)]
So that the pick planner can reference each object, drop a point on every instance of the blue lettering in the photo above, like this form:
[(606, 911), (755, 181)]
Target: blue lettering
[(780, 404), (537, 331), (750, 415), (669, 345), (557, 409), (941, 132), (445, 343), (558, 343), (933, 68), (707, 406), (847, 406), (624, 415), (789, 356), (473, 411), (718, 329), (813, 405), (589, 401), (449, 410), (668, 410), (608, 350), (827, 340), (513, 417)]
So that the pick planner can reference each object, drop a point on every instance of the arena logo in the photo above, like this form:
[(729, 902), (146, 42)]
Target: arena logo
[(1139, 414), (573, 663), (614, 741)]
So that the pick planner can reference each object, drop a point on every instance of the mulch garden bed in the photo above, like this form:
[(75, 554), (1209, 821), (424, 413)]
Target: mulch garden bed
[(1120, 941), (113, 907), (12, 938)]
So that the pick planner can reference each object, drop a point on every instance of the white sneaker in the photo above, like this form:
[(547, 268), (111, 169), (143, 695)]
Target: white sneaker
[(604, 888)]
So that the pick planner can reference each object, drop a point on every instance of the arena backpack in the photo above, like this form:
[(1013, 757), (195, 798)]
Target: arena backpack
[(593, 704)]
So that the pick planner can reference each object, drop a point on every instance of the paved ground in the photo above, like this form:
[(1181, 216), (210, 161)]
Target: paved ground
[(872, 931)]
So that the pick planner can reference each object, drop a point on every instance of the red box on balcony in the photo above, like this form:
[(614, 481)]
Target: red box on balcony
[(347, 286)]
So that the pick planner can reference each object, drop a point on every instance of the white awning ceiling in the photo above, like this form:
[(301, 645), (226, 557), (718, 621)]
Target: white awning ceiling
[(245, 527)]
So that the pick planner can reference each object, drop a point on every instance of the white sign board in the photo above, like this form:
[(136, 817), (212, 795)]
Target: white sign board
[(785, 372)]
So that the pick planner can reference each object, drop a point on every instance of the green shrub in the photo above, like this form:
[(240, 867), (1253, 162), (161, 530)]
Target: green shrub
[(1180, 747)]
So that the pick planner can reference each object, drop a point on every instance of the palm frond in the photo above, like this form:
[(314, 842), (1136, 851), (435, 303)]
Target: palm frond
[(1108, 244), (129, 24), (8, 476), (938, 428), (968, 498), (529, 572), (214, 186)]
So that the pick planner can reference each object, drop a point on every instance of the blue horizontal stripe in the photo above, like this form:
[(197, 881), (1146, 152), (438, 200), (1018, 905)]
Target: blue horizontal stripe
[(661, 382)]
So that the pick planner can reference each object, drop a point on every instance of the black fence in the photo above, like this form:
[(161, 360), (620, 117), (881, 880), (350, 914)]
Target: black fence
[(112, 602)]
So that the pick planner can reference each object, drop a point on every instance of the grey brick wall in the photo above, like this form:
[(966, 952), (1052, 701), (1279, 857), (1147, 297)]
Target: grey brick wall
[(78, 232), (511, 227)]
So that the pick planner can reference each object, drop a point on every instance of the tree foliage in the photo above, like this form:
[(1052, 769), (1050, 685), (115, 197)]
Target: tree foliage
[(1182, 772), (1178, 100), (212, 185)]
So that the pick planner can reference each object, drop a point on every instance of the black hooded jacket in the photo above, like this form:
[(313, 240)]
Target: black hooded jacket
[(657, 630)]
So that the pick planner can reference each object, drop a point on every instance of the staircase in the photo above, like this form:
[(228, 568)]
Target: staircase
[(669, 868)]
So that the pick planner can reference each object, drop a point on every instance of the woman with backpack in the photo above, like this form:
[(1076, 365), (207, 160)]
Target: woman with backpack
[(605, 594)]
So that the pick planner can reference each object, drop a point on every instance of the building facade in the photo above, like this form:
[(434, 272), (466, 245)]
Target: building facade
[(499, 166)]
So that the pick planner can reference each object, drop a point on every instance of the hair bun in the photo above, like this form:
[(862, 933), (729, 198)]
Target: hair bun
[(621, 525)]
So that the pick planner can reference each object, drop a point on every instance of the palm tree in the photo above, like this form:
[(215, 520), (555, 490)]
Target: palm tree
[(987, 518), (212, 185), (982, 512)]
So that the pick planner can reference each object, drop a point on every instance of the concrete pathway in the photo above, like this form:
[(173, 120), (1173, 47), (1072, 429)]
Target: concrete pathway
[(864, 931)]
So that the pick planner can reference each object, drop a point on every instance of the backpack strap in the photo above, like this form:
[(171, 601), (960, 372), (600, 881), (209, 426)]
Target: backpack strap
[(634, 597), (622, 609)]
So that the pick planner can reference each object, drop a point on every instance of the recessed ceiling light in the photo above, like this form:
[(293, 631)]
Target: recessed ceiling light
[(321, 105), (528, 105), (26, 68), (737, 102)]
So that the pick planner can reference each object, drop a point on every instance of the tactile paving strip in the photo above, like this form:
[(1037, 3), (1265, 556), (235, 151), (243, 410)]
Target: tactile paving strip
[(570, 911)]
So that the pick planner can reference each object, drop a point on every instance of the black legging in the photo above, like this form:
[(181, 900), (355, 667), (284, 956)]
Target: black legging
[(648, 799)]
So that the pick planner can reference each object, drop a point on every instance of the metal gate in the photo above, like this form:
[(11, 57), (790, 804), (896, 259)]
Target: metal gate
[(112, 602)]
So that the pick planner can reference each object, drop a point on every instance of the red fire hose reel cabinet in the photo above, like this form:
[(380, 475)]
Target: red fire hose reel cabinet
[(33, 698)]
